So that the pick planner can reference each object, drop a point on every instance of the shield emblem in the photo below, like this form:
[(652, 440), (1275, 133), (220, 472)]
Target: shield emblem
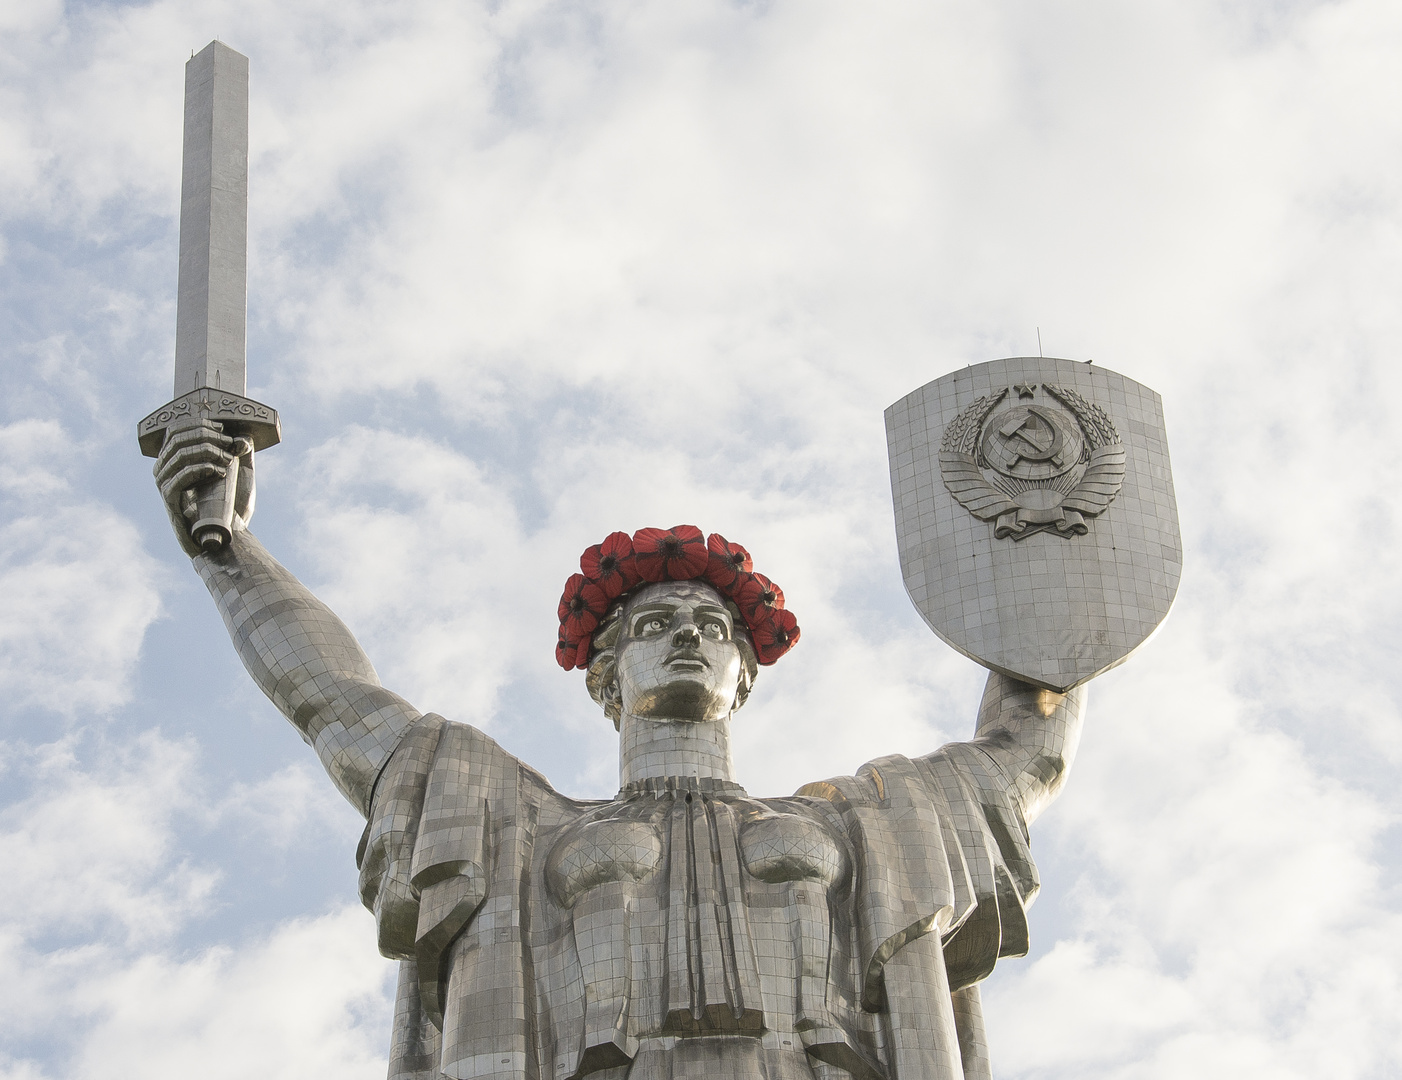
[(1035, 517)]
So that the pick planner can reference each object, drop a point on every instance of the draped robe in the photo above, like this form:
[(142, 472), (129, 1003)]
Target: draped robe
[(684, 929)]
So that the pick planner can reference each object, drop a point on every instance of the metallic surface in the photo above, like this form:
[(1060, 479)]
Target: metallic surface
[(211, 310), (1035, 515), (677, 669), (252, 418), (211, 313), (216, 504)]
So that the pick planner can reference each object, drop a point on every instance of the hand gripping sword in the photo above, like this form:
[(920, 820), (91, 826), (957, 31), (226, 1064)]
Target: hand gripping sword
[(212, 293)]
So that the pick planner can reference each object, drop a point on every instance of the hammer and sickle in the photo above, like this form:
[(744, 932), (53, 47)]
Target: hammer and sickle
[(1033, 436)]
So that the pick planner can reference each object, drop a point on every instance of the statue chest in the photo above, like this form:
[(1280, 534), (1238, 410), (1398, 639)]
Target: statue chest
[(692, 912), (636, 840)]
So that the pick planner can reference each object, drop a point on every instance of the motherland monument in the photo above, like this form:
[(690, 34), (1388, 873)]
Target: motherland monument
[(684, 928)]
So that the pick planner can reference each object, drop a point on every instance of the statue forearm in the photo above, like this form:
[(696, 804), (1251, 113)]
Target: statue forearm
[(1032, 734), (308, 664)]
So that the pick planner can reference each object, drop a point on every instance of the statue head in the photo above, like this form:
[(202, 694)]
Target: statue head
[(671, 627), (672, 650)]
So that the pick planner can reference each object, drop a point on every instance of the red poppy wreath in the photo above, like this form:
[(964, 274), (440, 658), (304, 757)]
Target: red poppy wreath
[(608, 570)]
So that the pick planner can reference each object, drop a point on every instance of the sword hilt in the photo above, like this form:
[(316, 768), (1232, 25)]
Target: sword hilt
[(214, 524), (253, 425)]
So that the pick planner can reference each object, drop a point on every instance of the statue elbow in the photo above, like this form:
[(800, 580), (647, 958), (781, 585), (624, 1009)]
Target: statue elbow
[(1052, 769), (1042, 781)]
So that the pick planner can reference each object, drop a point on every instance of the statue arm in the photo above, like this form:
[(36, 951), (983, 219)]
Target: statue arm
[(1032, 735), (308, 664)]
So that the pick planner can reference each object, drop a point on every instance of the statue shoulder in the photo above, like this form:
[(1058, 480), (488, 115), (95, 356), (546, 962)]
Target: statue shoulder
[(875, 784), (458, 761)]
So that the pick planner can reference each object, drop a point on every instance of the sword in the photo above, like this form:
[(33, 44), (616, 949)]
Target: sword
[(212, 293)]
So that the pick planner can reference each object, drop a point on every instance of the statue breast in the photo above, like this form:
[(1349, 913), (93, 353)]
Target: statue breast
[(599, 852), (789, 847)]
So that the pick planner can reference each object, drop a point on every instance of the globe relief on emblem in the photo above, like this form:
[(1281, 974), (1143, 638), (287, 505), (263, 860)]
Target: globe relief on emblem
[(1042, 464)]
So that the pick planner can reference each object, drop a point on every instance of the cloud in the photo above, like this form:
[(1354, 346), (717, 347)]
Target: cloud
[(101, 884), (92, 851), (311, 1001), (1227, 899), (281, 809), (79, 589), (525, 273)]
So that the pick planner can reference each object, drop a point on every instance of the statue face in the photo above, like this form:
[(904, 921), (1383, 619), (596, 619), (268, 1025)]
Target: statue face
[(676, 653)]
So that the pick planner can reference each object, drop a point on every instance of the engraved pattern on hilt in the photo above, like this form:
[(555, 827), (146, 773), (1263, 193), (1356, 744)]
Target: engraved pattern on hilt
[(242, 407), (164, 416), (248, 417)]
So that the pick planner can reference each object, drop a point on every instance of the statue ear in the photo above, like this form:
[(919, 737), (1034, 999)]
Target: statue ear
[(612, 702), (749, 668), (602, 681)]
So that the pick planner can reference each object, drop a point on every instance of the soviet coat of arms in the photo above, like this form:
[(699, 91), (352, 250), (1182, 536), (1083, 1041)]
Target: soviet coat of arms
[(1044, 463)]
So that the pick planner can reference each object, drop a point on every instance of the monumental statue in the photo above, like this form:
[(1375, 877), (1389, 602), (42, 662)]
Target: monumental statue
[(685, 928)]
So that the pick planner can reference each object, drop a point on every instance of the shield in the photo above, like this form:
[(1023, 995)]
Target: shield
[(1035, 518)]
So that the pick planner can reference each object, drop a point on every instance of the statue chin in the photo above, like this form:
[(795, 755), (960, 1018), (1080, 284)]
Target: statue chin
[(686, 698)]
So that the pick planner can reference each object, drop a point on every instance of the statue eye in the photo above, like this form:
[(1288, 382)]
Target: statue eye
[(652, 626), (715, 630)]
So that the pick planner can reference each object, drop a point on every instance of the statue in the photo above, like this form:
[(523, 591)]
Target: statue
[(684, 928)]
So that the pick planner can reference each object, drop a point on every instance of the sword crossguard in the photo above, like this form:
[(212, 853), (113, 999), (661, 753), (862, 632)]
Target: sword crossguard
[(253, 426), (240, 416)]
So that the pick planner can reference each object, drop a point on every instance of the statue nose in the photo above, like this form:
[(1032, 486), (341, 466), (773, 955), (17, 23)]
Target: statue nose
[(687, 634)]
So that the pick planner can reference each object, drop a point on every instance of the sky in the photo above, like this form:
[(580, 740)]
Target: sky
[(527, 272)]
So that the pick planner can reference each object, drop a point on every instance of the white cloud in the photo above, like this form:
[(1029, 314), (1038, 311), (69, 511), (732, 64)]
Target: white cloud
[(1229, 899), (309, 1002), (100, 885), (79, 591), (526, 273), (93, 851), (284, 807)]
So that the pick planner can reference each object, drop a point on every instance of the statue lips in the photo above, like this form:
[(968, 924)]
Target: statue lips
[(685, 659)]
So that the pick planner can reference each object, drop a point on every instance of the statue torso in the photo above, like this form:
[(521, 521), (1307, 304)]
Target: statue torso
[(692, 910), (684, 928)]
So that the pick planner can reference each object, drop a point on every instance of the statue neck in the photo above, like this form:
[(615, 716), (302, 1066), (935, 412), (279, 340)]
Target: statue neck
[(650, 749)]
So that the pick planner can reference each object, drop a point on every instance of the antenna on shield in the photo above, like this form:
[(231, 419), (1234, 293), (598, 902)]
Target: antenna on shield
[(1039, 341)]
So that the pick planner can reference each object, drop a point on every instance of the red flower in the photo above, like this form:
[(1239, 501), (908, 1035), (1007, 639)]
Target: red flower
[(725, 562), (618, 564), (775, 636), (611, 565), (756, 597), (581, 608), (675, 554), (570, 653)]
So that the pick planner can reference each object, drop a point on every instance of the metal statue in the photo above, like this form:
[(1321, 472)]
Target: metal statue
[(685, 929)]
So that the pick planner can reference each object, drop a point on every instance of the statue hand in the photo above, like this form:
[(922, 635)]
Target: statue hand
[(192, 458)]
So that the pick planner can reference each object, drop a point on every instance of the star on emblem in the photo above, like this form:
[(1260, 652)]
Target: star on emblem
[(1025, 390)]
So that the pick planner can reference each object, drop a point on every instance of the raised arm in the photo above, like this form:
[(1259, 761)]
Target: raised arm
[(299, 653), (1032, 735)]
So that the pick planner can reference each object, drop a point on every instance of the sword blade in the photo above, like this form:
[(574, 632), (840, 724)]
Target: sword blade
[(212, 302)]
